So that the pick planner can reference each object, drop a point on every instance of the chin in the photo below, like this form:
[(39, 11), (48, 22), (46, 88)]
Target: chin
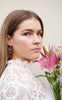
[(35, 57)]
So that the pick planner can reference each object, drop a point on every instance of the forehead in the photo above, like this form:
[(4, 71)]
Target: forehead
[(30, 23)]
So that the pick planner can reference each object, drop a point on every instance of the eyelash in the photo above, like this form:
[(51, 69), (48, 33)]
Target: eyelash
[(27, 33), (39, 33)]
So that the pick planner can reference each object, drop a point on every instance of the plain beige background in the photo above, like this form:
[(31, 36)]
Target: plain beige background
[(51, 13)]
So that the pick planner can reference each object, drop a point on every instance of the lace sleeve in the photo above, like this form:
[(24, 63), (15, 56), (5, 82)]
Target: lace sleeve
[(10, 88)]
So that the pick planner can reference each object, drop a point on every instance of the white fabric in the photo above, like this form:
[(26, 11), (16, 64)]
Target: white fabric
[(19, 83)]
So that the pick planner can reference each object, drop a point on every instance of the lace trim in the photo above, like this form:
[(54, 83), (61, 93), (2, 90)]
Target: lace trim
[(23, 64)]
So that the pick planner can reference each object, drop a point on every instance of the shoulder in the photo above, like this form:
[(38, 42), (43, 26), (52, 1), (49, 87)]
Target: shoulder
[(10, 74), (11, 86)]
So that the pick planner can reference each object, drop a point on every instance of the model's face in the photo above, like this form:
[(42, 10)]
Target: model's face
[(27, 40)]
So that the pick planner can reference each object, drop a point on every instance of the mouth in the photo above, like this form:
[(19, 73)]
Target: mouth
[(36, 49)]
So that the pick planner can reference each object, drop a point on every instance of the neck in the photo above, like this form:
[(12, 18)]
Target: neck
[(22, 59)]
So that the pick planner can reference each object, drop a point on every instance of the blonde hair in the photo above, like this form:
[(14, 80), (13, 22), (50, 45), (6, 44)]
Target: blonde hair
[(9, 26)]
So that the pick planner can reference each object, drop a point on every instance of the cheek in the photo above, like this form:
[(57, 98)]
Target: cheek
[(23, 43), (41, 42)]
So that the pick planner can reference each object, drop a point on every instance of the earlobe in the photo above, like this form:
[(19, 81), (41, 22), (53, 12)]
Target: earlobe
[(9, 40)]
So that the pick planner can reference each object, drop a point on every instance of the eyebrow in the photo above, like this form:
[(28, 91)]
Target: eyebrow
[(31, 30)]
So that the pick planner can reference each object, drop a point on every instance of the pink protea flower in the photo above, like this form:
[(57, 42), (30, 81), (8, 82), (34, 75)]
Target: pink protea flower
[(49, 59)]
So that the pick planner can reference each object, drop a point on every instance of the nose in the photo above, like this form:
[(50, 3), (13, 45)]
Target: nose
[(36, 39)]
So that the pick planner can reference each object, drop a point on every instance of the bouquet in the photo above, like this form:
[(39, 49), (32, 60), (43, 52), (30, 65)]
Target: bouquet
[(52, 61)]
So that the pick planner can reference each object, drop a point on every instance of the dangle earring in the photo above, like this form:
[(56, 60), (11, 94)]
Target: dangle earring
[(10, 50)]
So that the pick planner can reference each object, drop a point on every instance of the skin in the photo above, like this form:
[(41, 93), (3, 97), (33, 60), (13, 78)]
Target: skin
[(26, 41)]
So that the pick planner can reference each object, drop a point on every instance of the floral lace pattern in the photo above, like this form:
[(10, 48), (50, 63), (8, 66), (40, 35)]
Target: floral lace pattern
[(19, 83)]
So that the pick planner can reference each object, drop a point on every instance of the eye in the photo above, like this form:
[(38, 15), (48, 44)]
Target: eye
[(40, 34), (27, 34)]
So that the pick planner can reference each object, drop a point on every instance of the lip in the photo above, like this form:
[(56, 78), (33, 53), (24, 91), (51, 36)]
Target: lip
[(36, 49)]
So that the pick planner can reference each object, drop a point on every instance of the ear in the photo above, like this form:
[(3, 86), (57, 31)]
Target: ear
[(9, 40)]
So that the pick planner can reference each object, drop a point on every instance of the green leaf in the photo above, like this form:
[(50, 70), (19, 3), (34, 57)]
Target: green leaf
[(40, 76), (51, 79), (57, 71), (57, 91), (50, 52)]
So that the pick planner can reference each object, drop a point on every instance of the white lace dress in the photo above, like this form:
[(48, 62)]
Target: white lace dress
[(19, 83)]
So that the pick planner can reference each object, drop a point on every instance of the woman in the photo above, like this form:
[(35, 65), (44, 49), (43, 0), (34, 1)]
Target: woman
[(20, 44)]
